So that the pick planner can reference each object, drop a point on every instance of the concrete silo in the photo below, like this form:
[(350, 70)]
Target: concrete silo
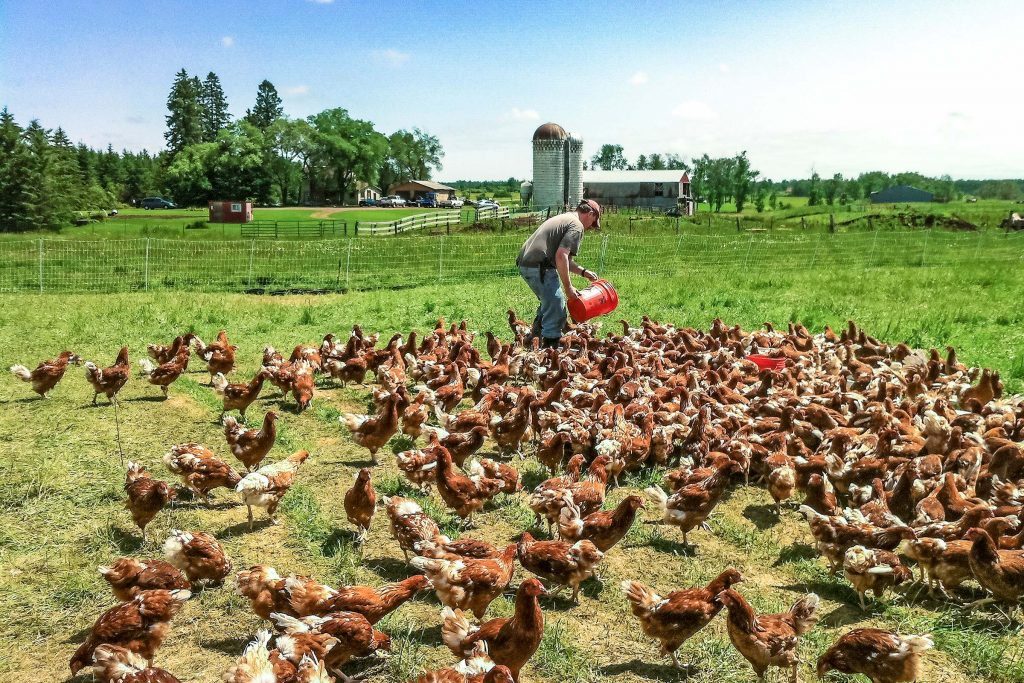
[(557, 168)]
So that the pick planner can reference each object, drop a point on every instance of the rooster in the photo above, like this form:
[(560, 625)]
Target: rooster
[(266, 486), (108, 381), (48, 373)]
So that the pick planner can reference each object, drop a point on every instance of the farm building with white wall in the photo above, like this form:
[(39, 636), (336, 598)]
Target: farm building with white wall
[(648, 189)]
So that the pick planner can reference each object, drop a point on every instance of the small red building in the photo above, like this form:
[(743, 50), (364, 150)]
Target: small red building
[(230, 212)]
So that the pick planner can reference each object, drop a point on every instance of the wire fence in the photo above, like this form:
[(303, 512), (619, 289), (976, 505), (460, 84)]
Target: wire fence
[(341, 264)]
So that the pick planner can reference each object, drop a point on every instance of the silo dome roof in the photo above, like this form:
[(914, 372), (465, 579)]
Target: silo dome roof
[(550, 131)]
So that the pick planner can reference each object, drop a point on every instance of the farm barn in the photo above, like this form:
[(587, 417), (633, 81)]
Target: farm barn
[(366, 191), (648, 189), (416, 189), (901, 194), (230, 211)]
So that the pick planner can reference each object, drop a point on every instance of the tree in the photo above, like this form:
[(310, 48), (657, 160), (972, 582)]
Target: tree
[(773, 200), (268, 106), (610, 158), (185, 120), (215, 107), (656, 162), (675, 162), (15, 195), (347, 149), (641, 163), (188, 174), (832, 188), (742, 178), (289, 142), (814, 191), (413, 155)]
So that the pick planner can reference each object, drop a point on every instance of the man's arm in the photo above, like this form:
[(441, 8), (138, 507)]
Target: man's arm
[(562, 265)]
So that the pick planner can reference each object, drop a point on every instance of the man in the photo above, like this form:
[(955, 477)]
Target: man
[(546, 260)]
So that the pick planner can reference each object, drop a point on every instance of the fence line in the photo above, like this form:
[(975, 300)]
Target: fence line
[(338, 264), (416, 222)]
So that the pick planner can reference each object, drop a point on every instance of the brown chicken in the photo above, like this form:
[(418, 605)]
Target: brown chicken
[(219, 356), (462, 445), (303, 386), (674, 619), (251, 446), (161, 354), (128, 576), (510, 641), (139, 625), (469, 583), (555, 450), (461, 548), (587, 494), (944, 564), (882, 656), (373, 603), (361, 503), (415, 416), (373, 431), (464, 495), (199, 555), (48, 373), (258, 664), (690, 506), (409, 524), (268, 485), (1000, 572), (238, 396), (477, 667), (108, 381), (199, 469), (603, 529), (511, 482), (115, 664), (769, 639), (334, 638), (166, 374), (560, 562), (265, 589), (874, 570), (146, 496)]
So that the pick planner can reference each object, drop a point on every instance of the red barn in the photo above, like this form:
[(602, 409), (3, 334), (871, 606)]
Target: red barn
[(230, 212)]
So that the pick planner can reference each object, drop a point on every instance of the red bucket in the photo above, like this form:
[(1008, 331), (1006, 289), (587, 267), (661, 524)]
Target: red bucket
[(600, 298), (767, 363)]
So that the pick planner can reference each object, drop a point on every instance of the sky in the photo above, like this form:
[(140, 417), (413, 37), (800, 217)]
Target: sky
[(845, 87)]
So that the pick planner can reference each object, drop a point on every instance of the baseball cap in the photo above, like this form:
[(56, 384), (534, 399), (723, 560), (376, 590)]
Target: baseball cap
[(591, 205)]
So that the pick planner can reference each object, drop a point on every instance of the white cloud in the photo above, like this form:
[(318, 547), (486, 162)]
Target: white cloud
[(227, 41), (391, 57), (639, 78), (723, 67), (294, 90), (691, 110), (518, 114)]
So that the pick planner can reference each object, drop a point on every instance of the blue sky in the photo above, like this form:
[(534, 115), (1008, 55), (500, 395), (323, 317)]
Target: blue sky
[(848, 87)]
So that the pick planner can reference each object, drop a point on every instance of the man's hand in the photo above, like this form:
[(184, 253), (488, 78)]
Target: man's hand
[(590, 275), (573, 293)]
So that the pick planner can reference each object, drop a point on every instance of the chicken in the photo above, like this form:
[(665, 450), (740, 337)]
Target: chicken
[(260, 665), (303, 386), (459, 549), (882, 656), (873, 570), (128, 576), (462, 445), (510, 641), (562, 563), (372, 432), (781, 484), (250, 446), (267, 486), (477, 667), (361, 503), (511, 482), (166, 374), (115, 664), (198, 555), (674, 619), (518, 327), (769, 639), (554, 450), (587, 494), (463, 494), (603, 529), (335, 639), (161, 354), (219, 356), (108, 381), (944, 564), (265, 589), (1000, 572), (48, 373), (139, 625), (409, 524), (418, 465), (469, 583), (415, 416), (835, 535), (373, 603), (146, 496), (199, 469), (238, 396), (690, 506)]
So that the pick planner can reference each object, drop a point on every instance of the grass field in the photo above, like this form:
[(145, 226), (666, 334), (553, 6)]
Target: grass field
[(61, 509)]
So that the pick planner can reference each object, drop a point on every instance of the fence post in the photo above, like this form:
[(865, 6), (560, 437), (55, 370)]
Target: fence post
[(750, 245), (817, 245), (146, 271), (924, 251), (252, 254), (874, 241), (738, 229), (832, 222), (440, 259), (348, 264), (803, 225), (40, 265)]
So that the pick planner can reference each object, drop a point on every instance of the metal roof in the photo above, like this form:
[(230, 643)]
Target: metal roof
[(550, 131), (633, 176), (429, 184)]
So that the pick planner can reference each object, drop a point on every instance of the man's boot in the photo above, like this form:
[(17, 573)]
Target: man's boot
[(552, 342)]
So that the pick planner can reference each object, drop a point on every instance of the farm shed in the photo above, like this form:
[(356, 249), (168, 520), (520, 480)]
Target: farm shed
[(230, 211), (650, 189), (415, 189), (901, 194), (366, 191)]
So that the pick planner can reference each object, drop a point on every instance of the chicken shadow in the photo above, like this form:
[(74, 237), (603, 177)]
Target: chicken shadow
[(672, 546), (27, 399), (341, 541), (836, 592), (125, 541), (159, 398), (389, 568), (763, 516), (650, 671), (227, 646), (795, 553), (242, 528)]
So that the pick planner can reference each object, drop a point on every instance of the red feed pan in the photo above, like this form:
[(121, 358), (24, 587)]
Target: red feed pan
[(766, 363)]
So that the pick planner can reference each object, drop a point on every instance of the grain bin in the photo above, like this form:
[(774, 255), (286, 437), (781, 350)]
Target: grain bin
[(557, 168), (525, 192)]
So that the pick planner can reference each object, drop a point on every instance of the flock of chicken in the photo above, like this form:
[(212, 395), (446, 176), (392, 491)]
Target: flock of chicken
[(898, 456)]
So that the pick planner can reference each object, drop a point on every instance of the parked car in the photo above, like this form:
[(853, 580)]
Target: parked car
[(392, 200), (158, 203), (428, 200), (369, 201), (453, 203)]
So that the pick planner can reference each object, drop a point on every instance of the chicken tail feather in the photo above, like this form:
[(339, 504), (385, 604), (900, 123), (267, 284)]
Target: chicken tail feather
[(22, 373), (455, 628)]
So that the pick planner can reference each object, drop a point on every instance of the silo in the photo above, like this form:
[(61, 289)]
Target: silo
[(549, 166), (574, 187)]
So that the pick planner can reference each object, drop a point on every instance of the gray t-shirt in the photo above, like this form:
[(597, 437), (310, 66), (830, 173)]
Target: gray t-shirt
[(563, 230)]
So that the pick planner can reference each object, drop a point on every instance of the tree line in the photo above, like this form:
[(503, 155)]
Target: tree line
[(264, 156)]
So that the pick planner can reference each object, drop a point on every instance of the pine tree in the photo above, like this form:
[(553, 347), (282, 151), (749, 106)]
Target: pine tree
[(185, 121), (14, 162), (268, 107), (65, 180), (215, 107)]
